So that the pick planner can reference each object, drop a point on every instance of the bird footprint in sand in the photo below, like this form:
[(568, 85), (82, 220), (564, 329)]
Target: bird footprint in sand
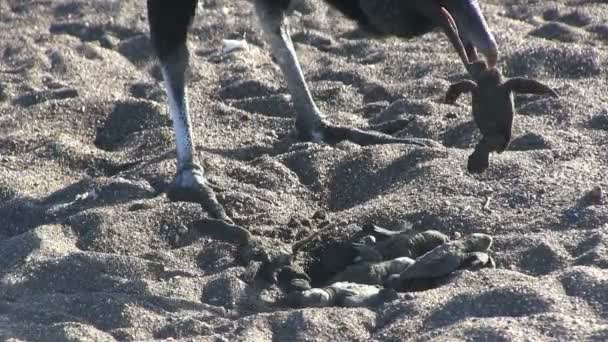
[(493, 108)]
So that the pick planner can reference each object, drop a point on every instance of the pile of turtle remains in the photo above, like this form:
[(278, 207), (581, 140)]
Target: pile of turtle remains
[(372, 269)]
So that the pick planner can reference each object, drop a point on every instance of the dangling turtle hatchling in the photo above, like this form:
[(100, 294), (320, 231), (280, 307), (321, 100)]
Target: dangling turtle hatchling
[(492, 107)]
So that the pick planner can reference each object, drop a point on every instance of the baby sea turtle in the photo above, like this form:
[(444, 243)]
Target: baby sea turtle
[(443, 260), (492, 107), (344, 294), (373, 273), (405, 243), (389, 256)]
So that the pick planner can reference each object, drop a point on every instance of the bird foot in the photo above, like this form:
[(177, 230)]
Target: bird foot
[(372, 135), (190, 185)]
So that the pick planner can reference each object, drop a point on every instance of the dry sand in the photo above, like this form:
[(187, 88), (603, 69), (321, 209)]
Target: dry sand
[(90, 249)]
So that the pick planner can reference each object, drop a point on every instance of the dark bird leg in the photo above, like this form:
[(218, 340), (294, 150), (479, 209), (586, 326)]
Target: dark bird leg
[(528, 86), (310, 122), (169, 24)]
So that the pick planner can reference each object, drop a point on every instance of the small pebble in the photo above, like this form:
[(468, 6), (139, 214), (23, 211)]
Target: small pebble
[(293, 223), (139, 205), (319, 215), (234, 45), (324, 224), (409, 296), (595, 195)]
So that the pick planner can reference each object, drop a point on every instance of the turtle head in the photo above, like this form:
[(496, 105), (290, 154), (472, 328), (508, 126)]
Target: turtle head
[(479, 242), (477, 69), (484, 75)]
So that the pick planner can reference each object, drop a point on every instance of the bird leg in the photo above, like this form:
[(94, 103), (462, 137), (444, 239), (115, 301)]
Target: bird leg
[(311, 124), (169, 24)]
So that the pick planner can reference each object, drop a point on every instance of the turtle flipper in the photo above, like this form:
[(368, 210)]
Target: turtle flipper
[(379, 232), (343, 294), (315, 297), (410, 244), (432, 268), (527, 86), (443, 260), (476, 261), (456, 89), (367, 253), (478, 242)]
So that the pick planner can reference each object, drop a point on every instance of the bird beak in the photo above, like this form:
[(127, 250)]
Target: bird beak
[(449, 27), (472, 29)]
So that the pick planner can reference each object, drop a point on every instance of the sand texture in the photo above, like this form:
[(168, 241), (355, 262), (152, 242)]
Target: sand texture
[(91, 249)]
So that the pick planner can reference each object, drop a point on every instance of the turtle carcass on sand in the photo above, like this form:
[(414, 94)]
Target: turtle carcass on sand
[(344, 294), (443, 260)]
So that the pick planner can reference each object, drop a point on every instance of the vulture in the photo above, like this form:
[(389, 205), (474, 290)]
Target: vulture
[(461, 20)]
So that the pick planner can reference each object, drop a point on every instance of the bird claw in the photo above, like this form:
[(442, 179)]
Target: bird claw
[(373, 135), (190, 185)]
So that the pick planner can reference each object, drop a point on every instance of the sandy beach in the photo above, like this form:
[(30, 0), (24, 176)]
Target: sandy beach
[(91, 249)]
